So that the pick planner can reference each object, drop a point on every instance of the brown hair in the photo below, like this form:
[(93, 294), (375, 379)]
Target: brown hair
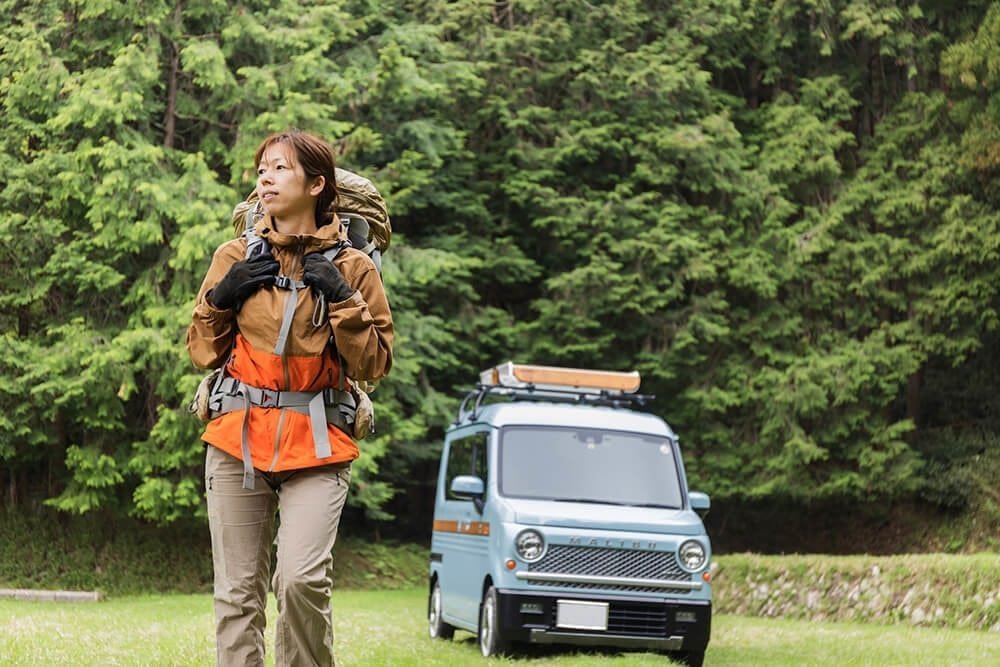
[(316, 158)]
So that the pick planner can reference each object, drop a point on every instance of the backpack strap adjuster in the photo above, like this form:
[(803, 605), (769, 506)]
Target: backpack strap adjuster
[(284, 282), (268, 398)]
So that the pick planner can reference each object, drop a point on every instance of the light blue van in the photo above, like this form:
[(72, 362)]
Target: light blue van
[(562, 515)]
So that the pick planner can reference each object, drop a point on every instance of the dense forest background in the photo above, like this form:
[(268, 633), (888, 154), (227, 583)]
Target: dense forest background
[(783, 214)]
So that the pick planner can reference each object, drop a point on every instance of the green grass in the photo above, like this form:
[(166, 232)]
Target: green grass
[(388, 628), (50, 550)]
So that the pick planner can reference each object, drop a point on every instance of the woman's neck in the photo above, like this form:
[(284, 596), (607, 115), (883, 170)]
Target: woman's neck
[(296, 225)]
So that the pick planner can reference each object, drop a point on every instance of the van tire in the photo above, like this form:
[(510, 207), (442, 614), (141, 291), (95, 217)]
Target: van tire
[(491, 640), (436, 627)]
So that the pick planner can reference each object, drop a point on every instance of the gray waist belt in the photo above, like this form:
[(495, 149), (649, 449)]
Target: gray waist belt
[(330, 406)]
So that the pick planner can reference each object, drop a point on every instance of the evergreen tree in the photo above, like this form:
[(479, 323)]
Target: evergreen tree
[(782, 214)]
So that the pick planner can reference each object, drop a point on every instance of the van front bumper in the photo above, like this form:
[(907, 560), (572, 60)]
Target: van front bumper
[(661, 623)]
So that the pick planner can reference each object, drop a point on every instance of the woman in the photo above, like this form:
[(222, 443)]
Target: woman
[(290, 326)]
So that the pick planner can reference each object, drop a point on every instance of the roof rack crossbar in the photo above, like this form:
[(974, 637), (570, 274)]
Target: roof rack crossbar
[(526, 382), (530, 392)]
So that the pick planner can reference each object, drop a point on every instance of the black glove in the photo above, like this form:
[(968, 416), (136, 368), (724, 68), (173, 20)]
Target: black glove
[(323, 277), (244, 278)]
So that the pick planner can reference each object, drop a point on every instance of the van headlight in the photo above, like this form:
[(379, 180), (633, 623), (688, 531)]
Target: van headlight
[(530, 545), (692, 555)]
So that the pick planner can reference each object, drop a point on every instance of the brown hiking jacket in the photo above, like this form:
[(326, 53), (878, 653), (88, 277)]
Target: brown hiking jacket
[(244, 339)]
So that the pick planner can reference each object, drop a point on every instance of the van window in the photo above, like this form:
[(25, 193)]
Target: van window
[(466, 456), (588, 465)]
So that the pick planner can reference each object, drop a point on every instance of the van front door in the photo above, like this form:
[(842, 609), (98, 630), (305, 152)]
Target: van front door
[(461, 532)]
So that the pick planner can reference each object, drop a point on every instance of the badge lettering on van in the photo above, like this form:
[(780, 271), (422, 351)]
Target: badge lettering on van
[(614, 544)]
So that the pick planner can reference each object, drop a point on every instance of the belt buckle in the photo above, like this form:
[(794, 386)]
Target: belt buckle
[(269, 398), (282, 282)]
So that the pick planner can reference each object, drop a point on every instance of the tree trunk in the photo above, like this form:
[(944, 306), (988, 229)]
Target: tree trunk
[(169, 116), (864, 67), (913, 385), (503, 13)]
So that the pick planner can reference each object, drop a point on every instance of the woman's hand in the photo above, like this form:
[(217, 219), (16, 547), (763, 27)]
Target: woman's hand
[(323, 277), (243, 279)]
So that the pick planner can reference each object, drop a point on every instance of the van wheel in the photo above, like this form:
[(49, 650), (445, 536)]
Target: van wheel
[(436, 627), (490, 633)]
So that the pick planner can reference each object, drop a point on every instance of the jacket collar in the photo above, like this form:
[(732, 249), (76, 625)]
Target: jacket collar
[(326, 237)]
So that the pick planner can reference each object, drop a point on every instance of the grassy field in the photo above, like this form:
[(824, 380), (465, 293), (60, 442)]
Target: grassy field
[(388, 628)]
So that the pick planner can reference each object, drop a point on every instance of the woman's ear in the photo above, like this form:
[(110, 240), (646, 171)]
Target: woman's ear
[(317, 187)]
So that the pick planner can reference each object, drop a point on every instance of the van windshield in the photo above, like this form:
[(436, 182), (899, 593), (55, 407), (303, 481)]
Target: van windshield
[(588, 465)]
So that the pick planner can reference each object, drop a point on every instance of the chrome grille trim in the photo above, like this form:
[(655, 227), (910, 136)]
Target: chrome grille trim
[(628, 582), (632, 570)]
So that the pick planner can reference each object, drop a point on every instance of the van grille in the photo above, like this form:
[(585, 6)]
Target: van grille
[(637, 619), (599, 562)]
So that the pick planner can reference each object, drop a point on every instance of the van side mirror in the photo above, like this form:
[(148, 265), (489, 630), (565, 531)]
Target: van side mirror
[(700, 503), (469, 487)]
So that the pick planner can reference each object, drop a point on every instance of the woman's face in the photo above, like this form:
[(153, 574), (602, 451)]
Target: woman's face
[(282, 187)]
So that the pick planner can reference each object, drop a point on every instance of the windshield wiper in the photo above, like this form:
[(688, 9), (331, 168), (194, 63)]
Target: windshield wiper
[(592, 501), (589, 501)]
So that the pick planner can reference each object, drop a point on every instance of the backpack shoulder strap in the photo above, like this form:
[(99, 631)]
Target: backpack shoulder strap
[(259, 246), (255, 244), (358, 232), (332, 253)]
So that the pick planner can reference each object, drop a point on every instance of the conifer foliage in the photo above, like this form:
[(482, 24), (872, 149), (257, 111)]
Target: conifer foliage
[(783, 214)]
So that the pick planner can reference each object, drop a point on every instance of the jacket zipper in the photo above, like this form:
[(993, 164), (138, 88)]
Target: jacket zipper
[(287, 377), (286, 372)]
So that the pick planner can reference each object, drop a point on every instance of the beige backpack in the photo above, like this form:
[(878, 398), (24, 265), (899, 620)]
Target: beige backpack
[(360, 207)]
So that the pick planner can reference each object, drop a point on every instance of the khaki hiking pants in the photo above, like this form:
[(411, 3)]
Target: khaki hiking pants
[(306, 505)]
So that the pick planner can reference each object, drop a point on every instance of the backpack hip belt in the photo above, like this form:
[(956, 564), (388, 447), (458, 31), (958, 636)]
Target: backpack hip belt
[(330, 406)]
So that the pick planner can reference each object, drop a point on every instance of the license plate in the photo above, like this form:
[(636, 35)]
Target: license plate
[(580, 615)]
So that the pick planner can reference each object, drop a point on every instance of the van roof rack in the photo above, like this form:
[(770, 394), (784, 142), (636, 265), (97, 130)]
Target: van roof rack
[(519, 376), (550, 383)]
